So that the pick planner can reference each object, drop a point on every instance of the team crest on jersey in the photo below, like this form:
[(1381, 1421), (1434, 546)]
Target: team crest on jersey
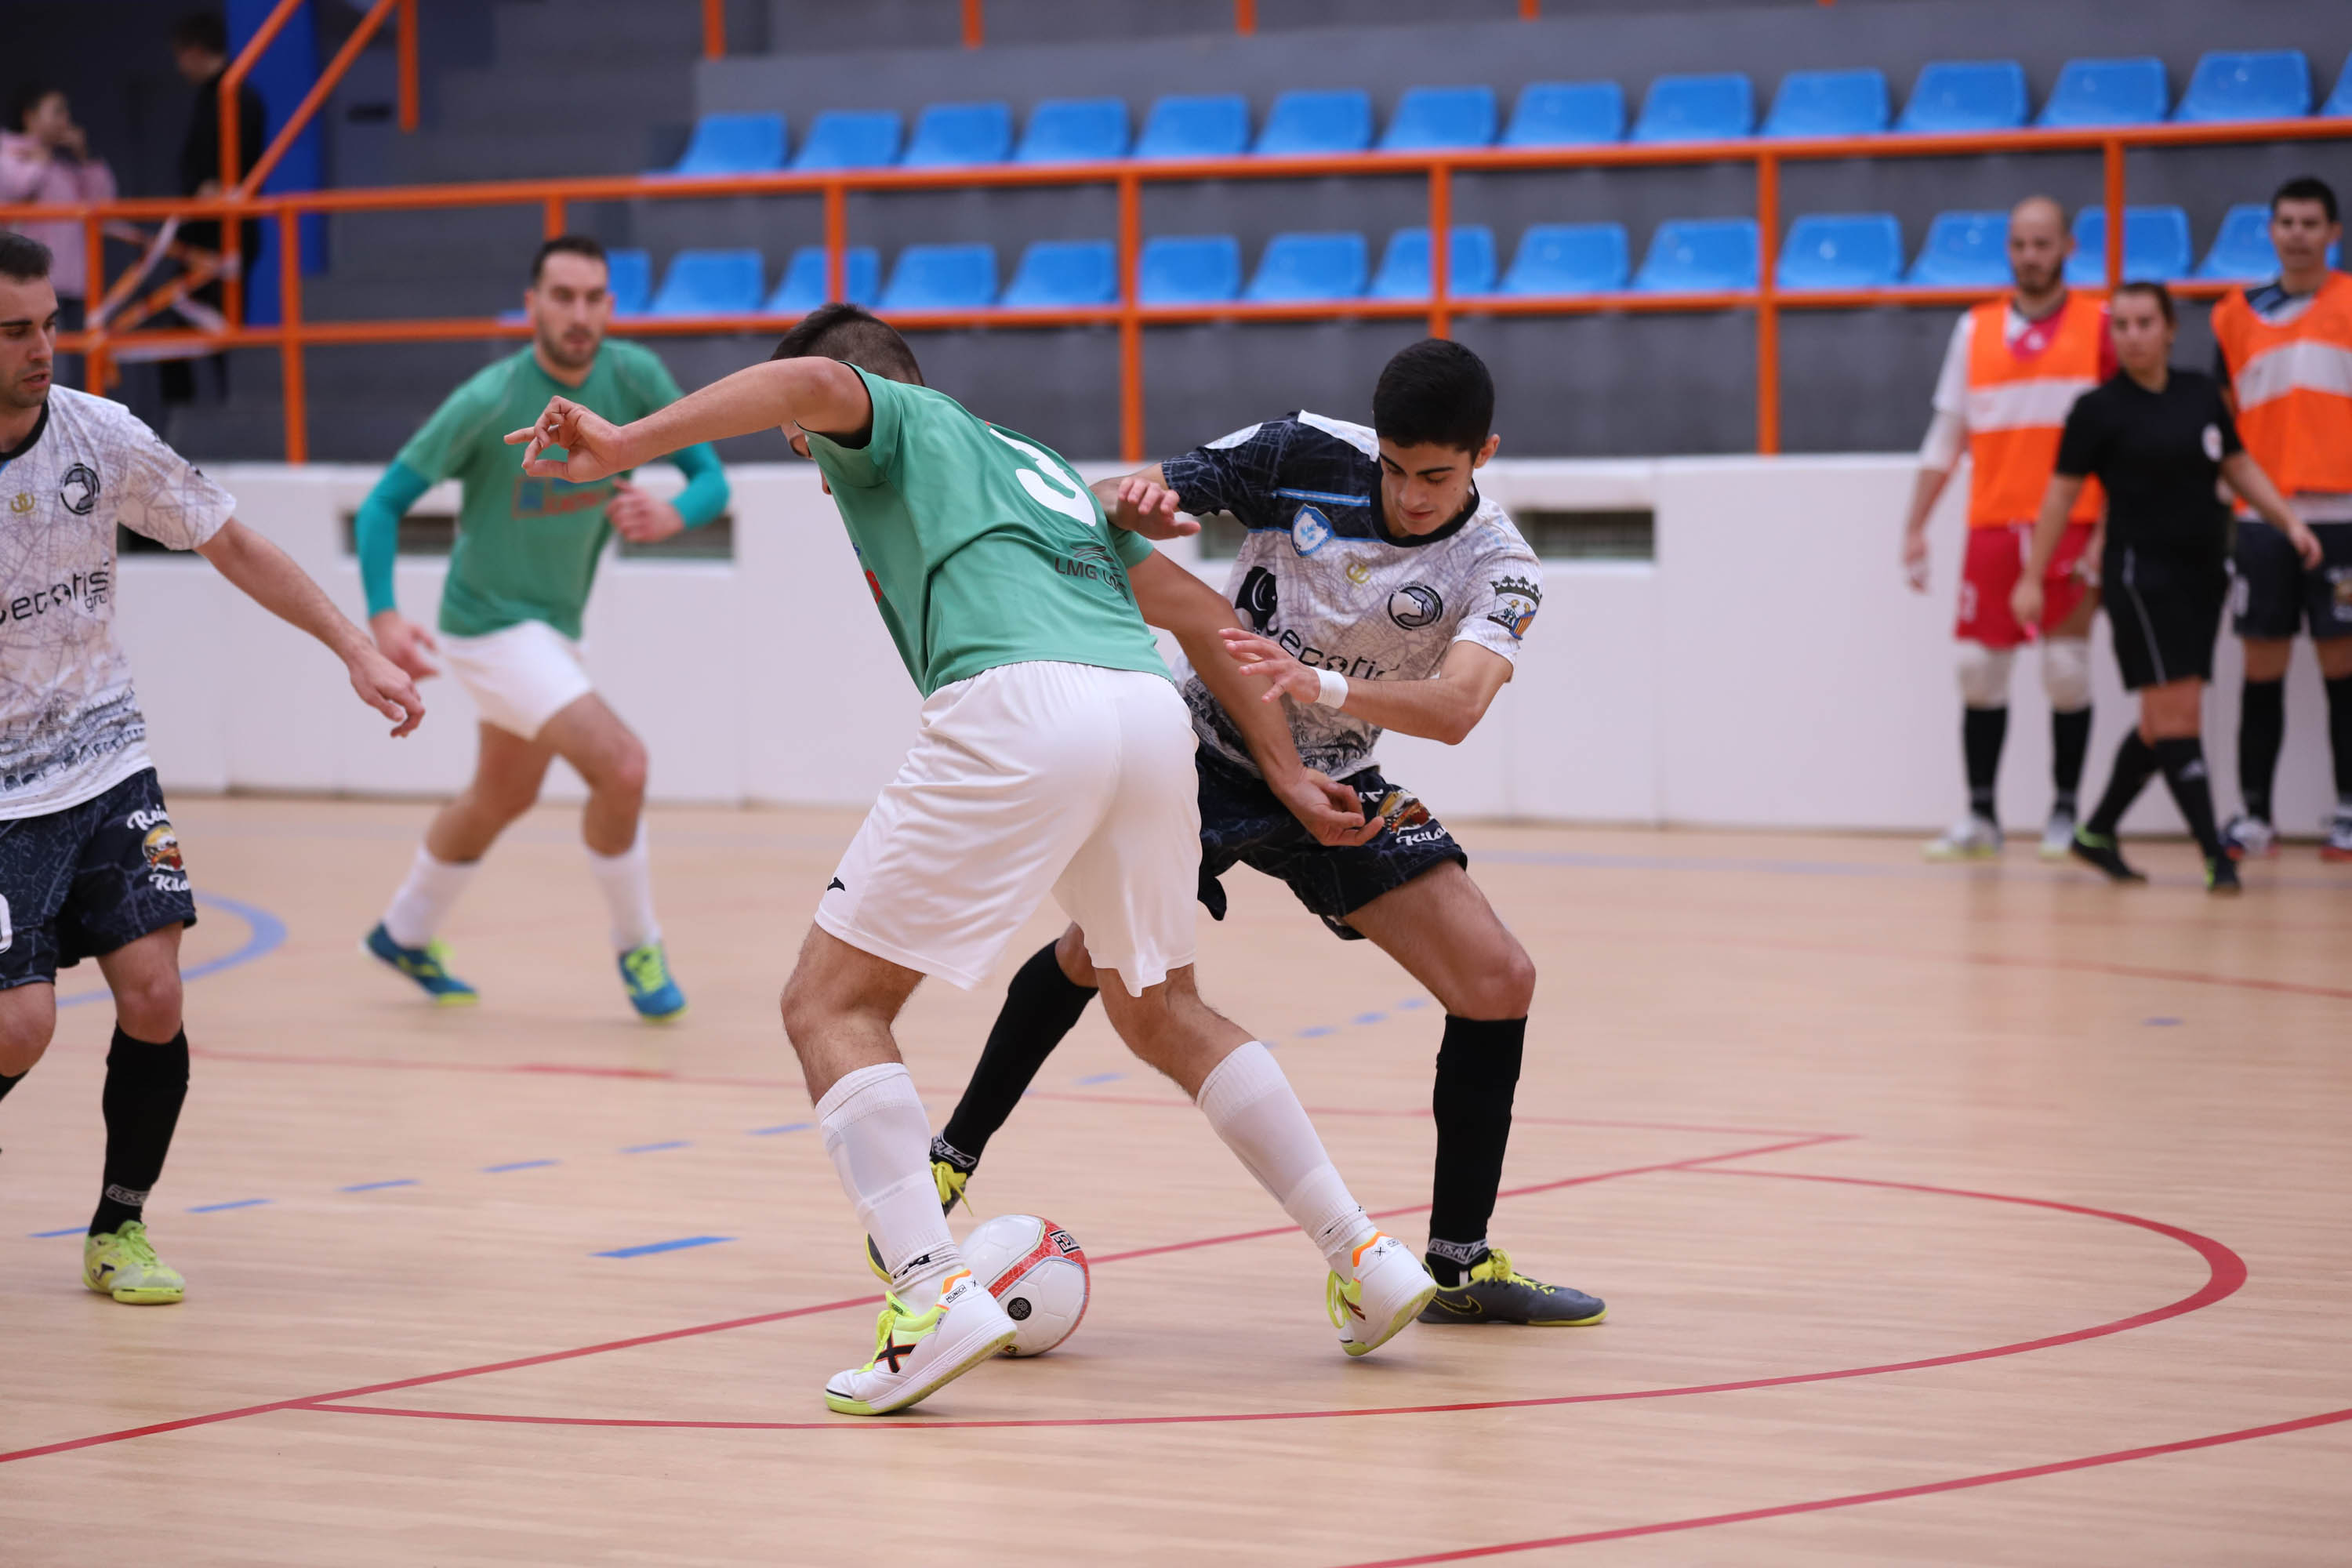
[(1415, 606), (1516, 602), (1259, 599), (79, 489), (22, 503), (1310, 531)]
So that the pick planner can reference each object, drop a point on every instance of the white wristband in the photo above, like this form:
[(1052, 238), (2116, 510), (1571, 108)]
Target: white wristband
[(1335, 689)]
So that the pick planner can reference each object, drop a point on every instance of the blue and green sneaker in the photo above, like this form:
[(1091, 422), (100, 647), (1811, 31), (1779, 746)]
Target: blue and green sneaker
[(652, 992), (427, 965)]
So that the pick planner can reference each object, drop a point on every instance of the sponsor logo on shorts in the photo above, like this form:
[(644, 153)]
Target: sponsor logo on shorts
[(8, 927), (1516, 602), (167, 870), (1415, 606), (79, 489), (1310, 531), (836, 885)]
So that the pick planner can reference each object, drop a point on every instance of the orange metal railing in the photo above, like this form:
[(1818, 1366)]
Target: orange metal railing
[(1129, 315)]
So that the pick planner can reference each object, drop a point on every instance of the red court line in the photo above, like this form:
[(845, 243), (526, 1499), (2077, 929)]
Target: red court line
[(2225, 1274), (318, 1400), (1854, 1499), (1165, 1102)]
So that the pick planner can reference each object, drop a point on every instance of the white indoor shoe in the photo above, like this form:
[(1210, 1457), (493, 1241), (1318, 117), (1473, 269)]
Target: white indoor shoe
[(1973, 838), (1390, 1289), (916, 1354), (2058, 835)]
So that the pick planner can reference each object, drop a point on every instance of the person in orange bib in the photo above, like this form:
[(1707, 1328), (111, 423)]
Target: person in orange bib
[(2015, 366), (2284, 351)]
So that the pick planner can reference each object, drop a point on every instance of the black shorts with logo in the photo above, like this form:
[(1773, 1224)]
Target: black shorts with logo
[(2278, 595), (1243, 822), (2165, 613), (84, 881)]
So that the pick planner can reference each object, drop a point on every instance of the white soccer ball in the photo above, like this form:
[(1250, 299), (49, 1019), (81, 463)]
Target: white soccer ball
[(1037, 1270)]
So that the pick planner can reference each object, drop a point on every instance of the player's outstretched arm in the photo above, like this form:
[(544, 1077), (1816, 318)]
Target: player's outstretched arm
[(1446, 708), (820, 394), (268, 576), (2245, 476), (376, 541), (1141, 502)]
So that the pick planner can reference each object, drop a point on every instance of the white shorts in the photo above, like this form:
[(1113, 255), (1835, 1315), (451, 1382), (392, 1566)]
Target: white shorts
[(1029, 779), (520, 676)]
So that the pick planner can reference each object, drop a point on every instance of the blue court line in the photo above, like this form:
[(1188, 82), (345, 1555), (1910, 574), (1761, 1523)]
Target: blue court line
[(519, 1166), (239, 1204), (2160, 1023), (69, 1230), (379, 1186), (787, 1127), (1100, 1077), (265, 934), (651, 1148), (664, 1246), (1368, 1018), (1317, 1032)]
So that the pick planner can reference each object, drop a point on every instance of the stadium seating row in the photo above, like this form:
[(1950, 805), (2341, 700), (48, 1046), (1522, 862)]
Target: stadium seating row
[(1950, 96), (1863, 250)]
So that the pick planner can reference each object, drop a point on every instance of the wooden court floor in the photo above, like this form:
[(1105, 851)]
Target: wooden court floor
[(1945, 1216)]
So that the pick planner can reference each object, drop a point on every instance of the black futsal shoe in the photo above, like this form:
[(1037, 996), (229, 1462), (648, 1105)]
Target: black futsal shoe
[(2222, 876), (1492, 1292), (2099, 849)]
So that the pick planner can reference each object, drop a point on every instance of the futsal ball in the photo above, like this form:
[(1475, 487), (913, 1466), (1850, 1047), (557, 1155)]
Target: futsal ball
[(1037, 1271)]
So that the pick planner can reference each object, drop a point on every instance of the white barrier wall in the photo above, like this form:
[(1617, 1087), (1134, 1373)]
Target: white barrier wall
[(1768, 669)]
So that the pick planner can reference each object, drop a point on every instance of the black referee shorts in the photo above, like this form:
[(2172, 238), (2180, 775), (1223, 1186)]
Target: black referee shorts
[(2166, 611), (2279, 597)]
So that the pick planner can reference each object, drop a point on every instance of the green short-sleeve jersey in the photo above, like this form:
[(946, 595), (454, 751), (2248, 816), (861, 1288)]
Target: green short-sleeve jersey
[(526, 548), (983, 547)]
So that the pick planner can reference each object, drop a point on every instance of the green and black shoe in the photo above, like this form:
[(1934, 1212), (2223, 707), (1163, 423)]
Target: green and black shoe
[(2222, 876), (1492, 1292), (2099, 849)]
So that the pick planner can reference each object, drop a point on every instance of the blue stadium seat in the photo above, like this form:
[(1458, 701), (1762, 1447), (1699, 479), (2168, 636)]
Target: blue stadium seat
[(1842, 250), (1966, 95), (1697, 108), (948, 134), (710, 283), (2242, 252), (1829, 104), (1335, 121), (2340, 101), (1064, 272), (630, 275), (1570, 258), (2106, 92), (2156, 246), (1567, 115), (801, 287), (850, 139), (2270, 84), (1441, 117), (1074, 131), (942, 277), (1309, 267), (1404, 266), (1189, 269), (733, 144), (1964, 250), (1699, 255), (1216, 126)]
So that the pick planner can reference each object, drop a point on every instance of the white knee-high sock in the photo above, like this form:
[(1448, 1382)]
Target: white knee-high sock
[(880, 1144), (425, 900), (627, 880), (1255, 1110)]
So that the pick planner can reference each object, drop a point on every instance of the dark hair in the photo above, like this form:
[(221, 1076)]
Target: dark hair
[(22, 257), (563, 245), (1434, 394), (2306, 188), (846, 332), (2154, 290), (27, 99), (200, 30)]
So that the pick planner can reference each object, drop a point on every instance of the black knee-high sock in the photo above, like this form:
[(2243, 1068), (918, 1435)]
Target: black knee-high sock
[(2183, 757), (1982, 731), (2135, 762), (1041, 1006), (2340, 736), (145, 1085), (2070, 743), (1477, 1073), (2262, 725)]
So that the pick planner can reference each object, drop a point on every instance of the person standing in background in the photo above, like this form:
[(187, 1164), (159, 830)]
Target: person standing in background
[(200, 52), (45, 157)]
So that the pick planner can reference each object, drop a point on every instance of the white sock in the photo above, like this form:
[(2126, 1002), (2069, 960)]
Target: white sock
[(424, 900), (880, 1144), (1254, 1110), (627, 880)]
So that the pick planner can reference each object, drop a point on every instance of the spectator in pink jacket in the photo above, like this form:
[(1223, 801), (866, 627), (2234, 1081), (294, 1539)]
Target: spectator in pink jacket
[(45, 157)]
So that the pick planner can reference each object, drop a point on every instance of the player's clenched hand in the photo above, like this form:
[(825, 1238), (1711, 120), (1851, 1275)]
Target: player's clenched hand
[(404, 643), (1147, 509), (1915, 560), (1257, 655), (592, 444), (2025, 602), (640, 518), (2306, 544), (382, 686), (1326, 808)]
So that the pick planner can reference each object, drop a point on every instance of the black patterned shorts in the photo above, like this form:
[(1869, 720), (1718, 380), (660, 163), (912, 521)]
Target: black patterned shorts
[(1243, 822), (84, 881)]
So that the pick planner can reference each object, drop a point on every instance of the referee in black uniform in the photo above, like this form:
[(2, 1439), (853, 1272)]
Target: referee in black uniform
[(2157, 436)]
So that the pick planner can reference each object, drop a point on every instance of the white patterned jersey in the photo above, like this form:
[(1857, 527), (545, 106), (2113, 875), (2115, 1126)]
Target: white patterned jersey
[(70, 728), (1321, 574)]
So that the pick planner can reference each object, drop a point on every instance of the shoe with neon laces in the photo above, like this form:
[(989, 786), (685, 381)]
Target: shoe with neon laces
[(1972, 838), (2250, 838), (2099, 849), (2222, 876), (122, 1263), (427, 965), (645, 974), (1492, 1292), (915, 1355), (1388, 1291), (950, 1169)]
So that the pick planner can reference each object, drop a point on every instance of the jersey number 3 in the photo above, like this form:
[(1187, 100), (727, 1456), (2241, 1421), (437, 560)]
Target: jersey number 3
[(1049, 484)]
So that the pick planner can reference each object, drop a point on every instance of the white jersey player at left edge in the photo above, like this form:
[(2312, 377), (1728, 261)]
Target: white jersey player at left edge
[(89, 864)]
